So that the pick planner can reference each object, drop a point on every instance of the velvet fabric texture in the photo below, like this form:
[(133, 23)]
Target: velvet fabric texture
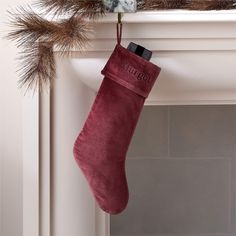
[(101, 147)]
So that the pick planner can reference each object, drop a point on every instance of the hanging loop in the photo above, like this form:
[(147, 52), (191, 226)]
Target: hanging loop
[(119, 32), (119, 28)]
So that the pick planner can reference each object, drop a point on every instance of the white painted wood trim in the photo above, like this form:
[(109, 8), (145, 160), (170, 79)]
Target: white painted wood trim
[(37, 211), (189, 102), (36, 165), (45, 164), (30, 165), (173, 16), (102, 221)]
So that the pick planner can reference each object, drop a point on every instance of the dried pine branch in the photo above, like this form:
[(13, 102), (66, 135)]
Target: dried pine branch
[(186, 4), (160, 4), (37, 36), (211, 4), (28, 27), (87, 8), (91, 8), (38, 66), (70, 33)]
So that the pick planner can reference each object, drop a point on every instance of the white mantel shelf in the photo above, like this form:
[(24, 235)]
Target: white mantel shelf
[(195, 49), (173, 16)]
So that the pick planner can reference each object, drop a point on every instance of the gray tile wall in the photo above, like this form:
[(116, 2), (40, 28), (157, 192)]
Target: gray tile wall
[(181, 170)]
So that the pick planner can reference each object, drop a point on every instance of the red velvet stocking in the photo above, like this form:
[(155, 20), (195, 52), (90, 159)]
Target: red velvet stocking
[(101, 147)]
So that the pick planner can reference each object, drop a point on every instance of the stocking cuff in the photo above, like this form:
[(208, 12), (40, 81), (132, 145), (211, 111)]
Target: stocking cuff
[(131, 71)]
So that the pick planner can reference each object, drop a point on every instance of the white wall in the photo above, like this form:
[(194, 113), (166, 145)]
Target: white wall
[(10, 134)]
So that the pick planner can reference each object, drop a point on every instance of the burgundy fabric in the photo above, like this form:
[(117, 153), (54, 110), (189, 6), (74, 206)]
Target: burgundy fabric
[(101, 147)]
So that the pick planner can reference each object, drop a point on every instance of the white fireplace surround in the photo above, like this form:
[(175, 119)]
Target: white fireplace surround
[(196, 51)]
